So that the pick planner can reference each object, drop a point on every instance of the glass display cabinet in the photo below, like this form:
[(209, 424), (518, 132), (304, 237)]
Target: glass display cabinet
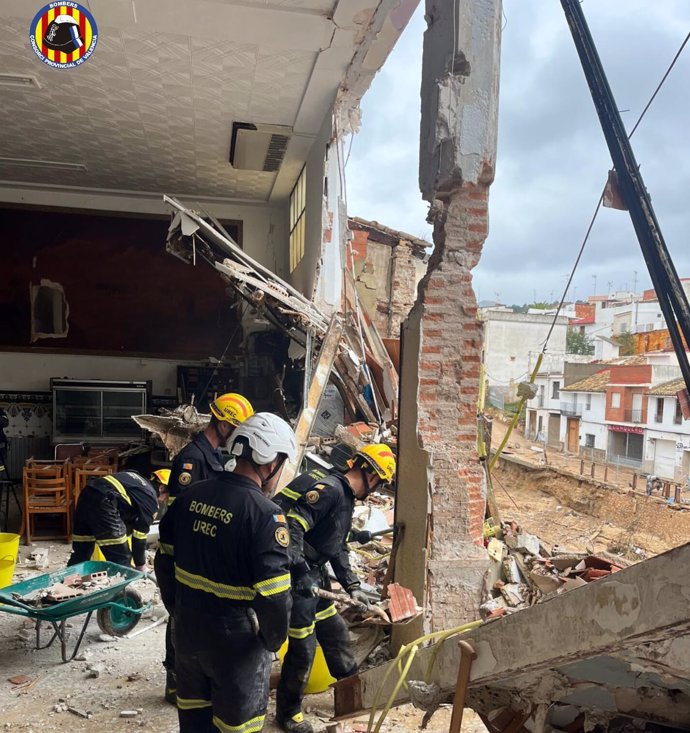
[(95, 411)]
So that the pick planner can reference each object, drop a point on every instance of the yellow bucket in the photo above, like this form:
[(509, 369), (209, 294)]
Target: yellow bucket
[(9, 547), (320, 678)]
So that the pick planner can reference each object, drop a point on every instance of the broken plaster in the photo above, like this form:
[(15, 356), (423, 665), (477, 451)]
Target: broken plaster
[(617, 607)]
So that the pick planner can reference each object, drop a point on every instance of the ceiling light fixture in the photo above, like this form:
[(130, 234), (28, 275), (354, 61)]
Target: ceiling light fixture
[(34, 163), (19, 80)]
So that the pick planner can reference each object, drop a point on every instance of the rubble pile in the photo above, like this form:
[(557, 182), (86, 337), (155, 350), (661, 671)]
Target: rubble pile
[(71, 586), (524, 571)]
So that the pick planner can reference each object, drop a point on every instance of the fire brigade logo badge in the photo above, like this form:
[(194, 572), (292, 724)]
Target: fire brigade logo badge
[(185, 478), (312, 496), (63, 35), (282, 536)]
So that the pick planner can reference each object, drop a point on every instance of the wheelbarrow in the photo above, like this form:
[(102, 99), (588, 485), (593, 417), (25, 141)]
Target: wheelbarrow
[(118, 607)]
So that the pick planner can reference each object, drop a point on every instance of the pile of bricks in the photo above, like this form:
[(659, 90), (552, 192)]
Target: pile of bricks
[(71, 586)]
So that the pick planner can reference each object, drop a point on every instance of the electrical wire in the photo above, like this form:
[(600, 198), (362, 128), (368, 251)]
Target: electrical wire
[(601, 198), (523, 400)]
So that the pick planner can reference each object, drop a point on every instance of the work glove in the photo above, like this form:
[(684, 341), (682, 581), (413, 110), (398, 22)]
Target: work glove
[(302, 582), (360, 535), (357, 594)]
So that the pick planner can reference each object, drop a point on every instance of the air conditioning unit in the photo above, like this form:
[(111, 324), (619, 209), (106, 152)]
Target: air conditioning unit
[(258, 147)]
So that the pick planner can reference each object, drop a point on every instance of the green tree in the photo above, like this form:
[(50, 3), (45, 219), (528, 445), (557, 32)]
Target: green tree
[(626, 344), (577, 342)]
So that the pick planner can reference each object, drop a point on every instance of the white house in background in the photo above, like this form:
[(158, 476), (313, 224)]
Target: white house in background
[(667, 437), (508, 340), (584, 411), (637, 316), (544, 410), (605, 348)]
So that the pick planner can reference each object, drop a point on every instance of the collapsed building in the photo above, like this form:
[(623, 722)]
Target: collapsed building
[(240, 119)]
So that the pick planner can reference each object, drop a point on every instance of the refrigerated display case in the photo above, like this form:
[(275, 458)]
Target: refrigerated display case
[(96, 411)]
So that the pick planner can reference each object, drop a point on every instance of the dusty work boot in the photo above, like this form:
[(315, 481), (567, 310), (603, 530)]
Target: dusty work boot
[(295, 724), (171, 687)]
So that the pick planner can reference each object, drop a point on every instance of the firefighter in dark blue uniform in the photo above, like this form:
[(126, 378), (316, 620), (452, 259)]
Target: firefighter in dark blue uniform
[(319, 508), (223, 570), (200, 458), (109, 510), (197, 461)]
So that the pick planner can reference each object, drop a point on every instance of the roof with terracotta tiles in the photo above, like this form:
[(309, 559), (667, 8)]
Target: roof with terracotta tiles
[(668, 388), (594, 383)]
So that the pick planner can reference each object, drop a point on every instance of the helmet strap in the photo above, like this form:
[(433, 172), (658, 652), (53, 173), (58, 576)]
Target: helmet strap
[(265, 480)]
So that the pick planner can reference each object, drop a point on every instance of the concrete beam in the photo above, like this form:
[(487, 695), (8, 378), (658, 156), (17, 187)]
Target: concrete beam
[(639, 614)]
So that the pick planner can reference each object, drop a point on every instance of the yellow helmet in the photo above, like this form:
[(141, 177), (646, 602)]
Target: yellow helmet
[(232, 408), (380, 457), (162, 475)]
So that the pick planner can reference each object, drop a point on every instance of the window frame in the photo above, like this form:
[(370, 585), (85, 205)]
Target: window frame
[(297, 207), (678, 415), (659, 410)]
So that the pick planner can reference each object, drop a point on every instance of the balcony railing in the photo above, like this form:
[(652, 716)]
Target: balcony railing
[(634, 416), (570, 410)]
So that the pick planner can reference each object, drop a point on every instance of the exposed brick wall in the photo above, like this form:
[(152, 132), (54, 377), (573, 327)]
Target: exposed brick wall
[(449, 368), (441, 449), (403, 287)]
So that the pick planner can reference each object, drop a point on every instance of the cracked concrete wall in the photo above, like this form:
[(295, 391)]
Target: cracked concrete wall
[(442, 492)]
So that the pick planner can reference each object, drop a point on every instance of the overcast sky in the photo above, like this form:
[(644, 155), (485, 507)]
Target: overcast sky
[(552, 158)]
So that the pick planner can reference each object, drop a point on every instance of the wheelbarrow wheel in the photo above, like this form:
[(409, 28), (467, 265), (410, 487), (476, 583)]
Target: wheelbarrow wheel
[(116, 621)]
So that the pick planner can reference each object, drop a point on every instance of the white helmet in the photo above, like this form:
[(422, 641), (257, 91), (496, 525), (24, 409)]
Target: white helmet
[(267, 435)]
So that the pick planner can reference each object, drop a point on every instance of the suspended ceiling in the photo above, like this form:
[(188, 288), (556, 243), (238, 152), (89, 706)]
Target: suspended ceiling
[(152, 110)]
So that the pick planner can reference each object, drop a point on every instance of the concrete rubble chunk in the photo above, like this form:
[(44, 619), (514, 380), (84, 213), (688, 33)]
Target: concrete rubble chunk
[(512, 592), (511, 571), (496, 549), (545, 583), (527, 543), (492, 606)]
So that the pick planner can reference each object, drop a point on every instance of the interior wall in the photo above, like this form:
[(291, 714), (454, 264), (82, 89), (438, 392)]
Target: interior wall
[(265, 228), (32, 371), (123, 292)]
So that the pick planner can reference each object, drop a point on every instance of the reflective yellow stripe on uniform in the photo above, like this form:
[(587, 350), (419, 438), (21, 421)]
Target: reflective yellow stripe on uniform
[(301, 632), (171, 499), (113, 541), (273, 586), (185, 703), (300, 520), (139, 535), (294, 495), (167, 549), (119, 487), (221, 590), (83, 538), (326, 613), (250, 726)]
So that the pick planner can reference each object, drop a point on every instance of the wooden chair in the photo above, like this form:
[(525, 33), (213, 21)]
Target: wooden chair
[(46, 491), (82, 474)]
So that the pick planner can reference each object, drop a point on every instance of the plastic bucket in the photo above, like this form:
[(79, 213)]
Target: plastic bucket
[(9, 547), (320, 678)]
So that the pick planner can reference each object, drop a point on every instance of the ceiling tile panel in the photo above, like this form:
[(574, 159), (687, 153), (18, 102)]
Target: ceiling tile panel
[(152, 111)]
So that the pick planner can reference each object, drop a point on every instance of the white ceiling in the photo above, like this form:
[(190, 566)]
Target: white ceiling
[(152, 109)]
